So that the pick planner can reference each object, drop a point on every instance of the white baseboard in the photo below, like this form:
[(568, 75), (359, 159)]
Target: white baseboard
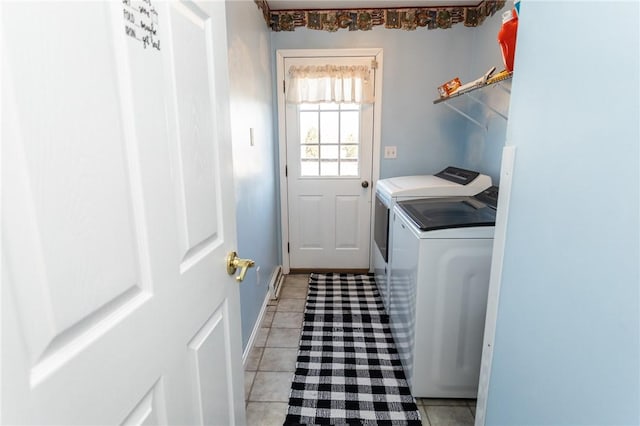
[(275, 284), (256, 329)]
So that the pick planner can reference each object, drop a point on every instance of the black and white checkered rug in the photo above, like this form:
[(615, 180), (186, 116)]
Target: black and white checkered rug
[(348, 370)]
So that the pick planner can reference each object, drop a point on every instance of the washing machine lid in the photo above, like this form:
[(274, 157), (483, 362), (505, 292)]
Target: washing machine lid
[(452, 181), (452, 212)]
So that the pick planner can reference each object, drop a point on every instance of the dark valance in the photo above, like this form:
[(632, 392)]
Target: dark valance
[(393, 18)]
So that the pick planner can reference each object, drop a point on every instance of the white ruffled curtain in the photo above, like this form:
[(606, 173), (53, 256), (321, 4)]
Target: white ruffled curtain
[(330, 83)]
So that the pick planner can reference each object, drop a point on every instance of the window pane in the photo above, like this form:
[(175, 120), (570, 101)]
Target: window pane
[(308, 127), (309, 152), (329, 107), (350, 127), (329, 168), (348, 168), (329, 140), (349, 107), (349, 152), (329, 152), (329, 127), (308, 168), (308, 107)]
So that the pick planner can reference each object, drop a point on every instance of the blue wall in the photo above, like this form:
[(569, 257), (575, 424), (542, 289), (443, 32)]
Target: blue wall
[(254, 166), (428, 137), (567, 338), (483, 149)]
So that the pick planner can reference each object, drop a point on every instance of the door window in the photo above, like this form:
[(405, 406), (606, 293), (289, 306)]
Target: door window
[(329, 140)]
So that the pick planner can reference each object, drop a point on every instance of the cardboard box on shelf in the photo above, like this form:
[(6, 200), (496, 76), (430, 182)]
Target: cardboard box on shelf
[(449, 87)]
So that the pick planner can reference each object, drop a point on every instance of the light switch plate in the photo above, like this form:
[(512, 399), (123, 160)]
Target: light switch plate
[(390, 152)]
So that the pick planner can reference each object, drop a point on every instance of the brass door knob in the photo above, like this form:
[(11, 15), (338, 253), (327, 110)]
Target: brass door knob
[(234, 262)]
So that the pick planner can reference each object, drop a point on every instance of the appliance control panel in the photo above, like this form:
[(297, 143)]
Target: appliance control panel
[(489, 196), (457, 175)]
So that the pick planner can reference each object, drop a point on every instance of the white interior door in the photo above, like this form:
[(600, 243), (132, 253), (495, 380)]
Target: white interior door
[(329, 171), (117, 214)]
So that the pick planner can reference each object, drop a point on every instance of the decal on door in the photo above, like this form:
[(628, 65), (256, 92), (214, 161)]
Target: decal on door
[(141, 22)]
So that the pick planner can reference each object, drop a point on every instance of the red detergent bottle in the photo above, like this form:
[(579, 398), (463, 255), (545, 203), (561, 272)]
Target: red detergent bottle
[(507, 37)]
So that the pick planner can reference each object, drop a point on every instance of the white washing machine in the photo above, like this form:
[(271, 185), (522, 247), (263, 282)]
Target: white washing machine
[(451, 181), (441, 261)]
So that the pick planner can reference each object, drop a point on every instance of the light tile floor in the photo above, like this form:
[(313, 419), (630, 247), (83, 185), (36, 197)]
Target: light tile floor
[(271, 363)]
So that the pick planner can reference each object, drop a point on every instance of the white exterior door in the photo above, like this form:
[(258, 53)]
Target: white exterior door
[(329, 150), (117, 214)]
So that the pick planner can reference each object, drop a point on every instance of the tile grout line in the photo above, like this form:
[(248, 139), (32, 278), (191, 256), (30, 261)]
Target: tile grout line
[(427, 415), (268, 334), (256, 371)]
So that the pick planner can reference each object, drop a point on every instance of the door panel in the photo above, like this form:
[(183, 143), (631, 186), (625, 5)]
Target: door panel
[(310, 222), (347, 222), (115, 223), (197, 188), (206, 356), (78, 251), (151, 410)]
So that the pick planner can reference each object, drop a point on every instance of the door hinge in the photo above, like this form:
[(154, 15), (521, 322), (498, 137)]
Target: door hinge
[(288, 248), (286, 171), (374, 64), (284, 87)]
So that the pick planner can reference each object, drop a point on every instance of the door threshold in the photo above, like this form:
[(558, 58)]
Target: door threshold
[(327, 270)]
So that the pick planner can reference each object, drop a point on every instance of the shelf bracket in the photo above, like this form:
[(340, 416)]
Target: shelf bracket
[(499, 83), (467, 116), (488, 106), (501, 86)]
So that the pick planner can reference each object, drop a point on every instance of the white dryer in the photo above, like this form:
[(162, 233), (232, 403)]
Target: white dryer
[(441, 261), (452, 181)]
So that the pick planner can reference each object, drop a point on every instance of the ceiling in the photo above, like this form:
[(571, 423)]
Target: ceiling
[(362, 4)]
